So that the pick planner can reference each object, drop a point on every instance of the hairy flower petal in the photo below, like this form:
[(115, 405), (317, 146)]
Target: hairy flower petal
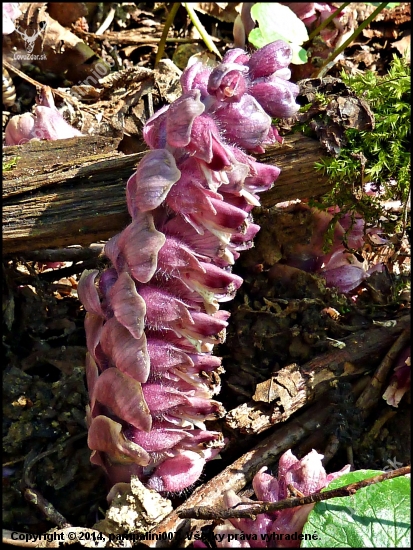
[(269, 59), (180, 118), (88, 293), (129, 354), (128, 307), (177, 473), (123, 396), (148, 187), (244, 123), (106, 435), (139, 244)]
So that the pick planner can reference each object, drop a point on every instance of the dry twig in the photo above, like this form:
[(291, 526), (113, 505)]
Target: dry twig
[(372, 393), (251, 510)]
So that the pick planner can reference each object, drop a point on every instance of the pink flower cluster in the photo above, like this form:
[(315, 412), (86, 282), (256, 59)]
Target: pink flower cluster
[(46, 123), (340, 267), (153, 318), (269, 530)]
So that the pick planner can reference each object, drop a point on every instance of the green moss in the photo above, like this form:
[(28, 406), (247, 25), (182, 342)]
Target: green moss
[(380, 156), (10, 164)]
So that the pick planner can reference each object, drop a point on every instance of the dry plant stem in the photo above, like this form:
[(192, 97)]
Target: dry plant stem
[(7, 539), (107, 22), (201, 29), (327, 21), (133, 38), (241, 472), (38, 85), (33, 496), (372, 393), (47, 509), (251, 511), (31, 458), (385, 416), (166, 27), (56, 274)]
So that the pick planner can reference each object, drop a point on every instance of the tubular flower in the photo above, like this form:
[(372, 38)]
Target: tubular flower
[(153, 318), (274, 529)]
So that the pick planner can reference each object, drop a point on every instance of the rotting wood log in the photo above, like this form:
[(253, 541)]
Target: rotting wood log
[(67, 192), (293, 386)]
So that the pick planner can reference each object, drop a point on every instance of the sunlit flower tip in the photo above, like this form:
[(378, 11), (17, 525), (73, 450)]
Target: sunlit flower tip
[(196, 77), (207, 326), (206, 245), (148, 187), (269, 59), (243, 240), (244, 123), (263, 177), (276, 96), (227, 82), (236, 55)]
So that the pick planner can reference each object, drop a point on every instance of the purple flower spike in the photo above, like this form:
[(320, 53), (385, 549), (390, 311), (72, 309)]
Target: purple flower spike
[(306, 475), (153, 318)]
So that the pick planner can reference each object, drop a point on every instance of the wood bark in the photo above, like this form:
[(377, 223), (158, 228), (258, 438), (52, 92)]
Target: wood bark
[(67, 192)]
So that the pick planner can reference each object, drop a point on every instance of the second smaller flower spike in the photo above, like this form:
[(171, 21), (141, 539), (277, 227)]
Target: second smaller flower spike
[(306, 475), (45, 124)]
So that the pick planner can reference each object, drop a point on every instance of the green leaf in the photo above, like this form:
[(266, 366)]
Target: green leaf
[(278, 22), (377, 516)]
